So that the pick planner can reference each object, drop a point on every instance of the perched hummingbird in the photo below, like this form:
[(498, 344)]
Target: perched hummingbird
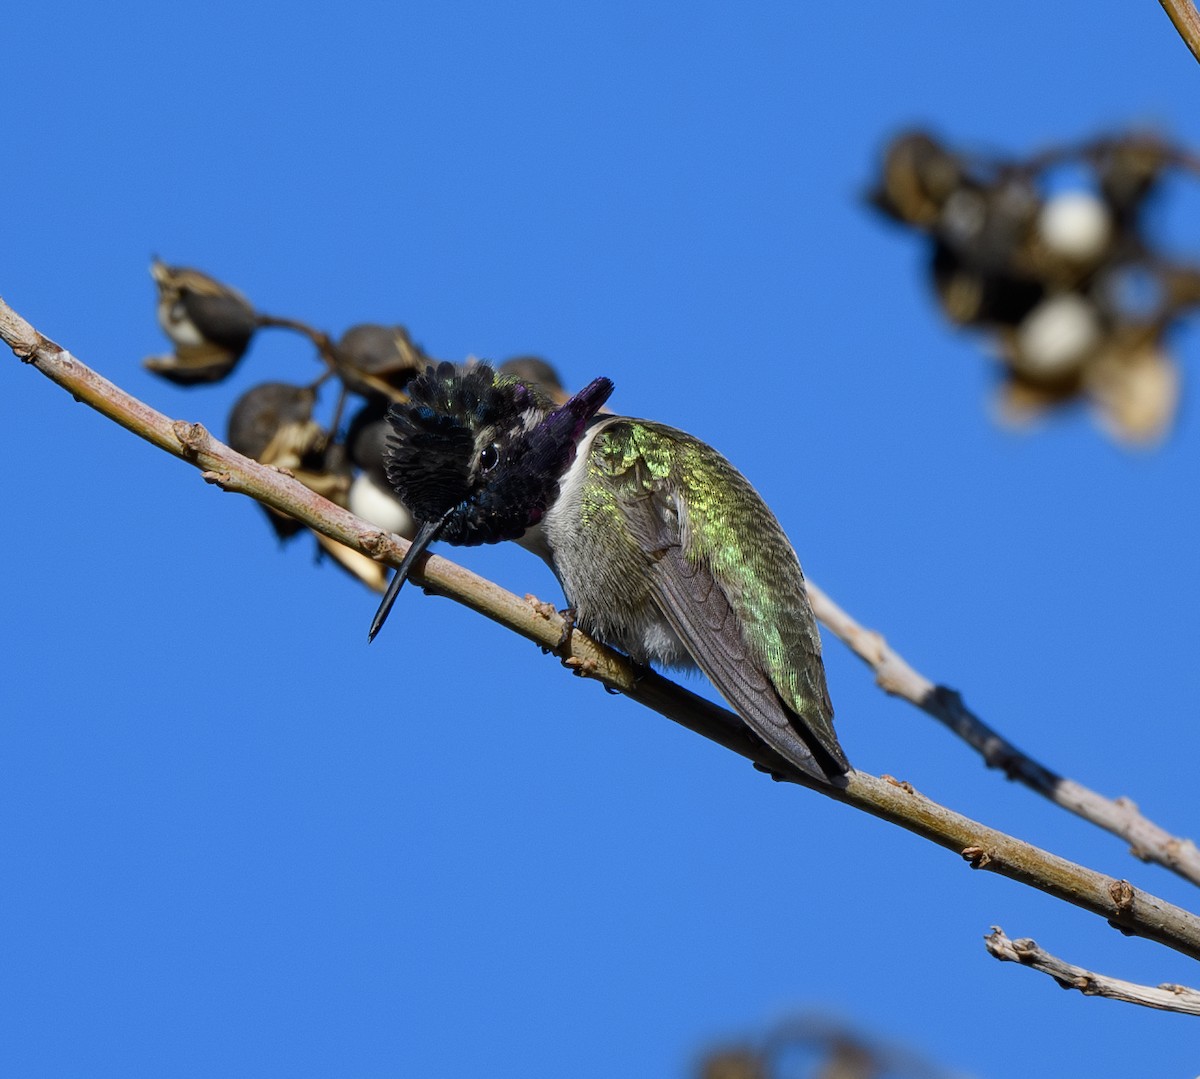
[(663, 549)]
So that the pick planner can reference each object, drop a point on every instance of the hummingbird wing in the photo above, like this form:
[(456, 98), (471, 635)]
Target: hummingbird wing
[(725, 578)]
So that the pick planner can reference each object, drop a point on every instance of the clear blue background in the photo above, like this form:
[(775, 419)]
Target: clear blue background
[(236, 840)]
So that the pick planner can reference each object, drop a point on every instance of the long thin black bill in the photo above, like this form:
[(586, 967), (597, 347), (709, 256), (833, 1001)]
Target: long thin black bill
[(427, 533)]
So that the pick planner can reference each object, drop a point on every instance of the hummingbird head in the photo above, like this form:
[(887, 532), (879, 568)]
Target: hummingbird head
[(477, 456)]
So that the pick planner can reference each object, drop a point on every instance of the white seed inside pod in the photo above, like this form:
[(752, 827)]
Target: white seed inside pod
[(1075, 225), (371, 503), (1056, 335), (173, 318)]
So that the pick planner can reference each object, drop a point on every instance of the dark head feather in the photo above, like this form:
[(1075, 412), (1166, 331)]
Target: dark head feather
[(481, 451)]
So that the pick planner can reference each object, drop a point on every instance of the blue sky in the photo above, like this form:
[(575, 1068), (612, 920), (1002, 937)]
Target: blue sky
[(236, 840)]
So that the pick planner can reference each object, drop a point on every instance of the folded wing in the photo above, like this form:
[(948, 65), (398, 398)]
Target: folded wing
[(748, 672)]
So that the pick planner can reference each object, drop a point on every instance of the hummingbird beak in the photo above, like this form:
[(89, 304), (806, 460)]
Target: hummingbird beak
[(587, 402), (560, 431), (427, 533)]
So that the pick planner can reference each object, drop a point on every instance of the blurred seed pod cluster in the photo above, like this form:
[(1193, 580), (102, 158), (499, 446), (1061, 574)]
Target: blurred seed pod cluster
[(810, 1046), (212, 325), (1052, 257)]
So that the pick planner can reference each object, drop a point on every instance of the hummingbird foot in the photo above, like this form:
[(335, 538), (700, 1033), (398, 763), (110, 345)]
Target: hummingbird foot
[(582, 668), (564, 639), (777, 776)]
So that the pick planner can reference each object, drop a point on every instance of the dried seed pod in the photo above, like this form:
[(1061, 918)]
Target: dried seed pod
[(1128, 170), (918, 176), (209, 323), (372, 359), (273, 424), (371, 496), (538, 373)]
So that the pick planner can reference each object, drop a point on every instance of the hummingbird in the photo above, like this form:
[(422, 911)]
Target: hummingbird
[(663, 549)]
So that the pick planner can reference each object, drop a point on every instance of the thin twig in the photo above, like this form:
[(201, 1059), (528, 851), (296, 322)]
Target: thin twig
[(327, 349), (1167, 997), (1183, 14), (320, 339), (1126, 908), (1120, 816)]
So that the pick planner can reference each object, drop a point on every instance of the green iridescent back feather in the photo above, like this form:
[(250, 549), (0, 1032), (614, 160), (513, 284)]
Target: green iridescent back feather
[(726, 527)]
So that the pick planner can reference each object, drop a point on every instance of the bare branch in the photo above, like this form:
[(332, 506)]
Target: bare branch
[(1127, 909), (1166, 997), (1183, 14), (1147, 840)]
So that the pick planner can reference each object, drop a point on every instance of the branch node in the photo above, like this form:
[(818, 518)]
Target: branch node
[(221, 479), (978, 858), (1175, 853), (903, 784), (374, 543), (1123, 894), (546, 610), (193, 437), (1025, 947), (1083, 982)]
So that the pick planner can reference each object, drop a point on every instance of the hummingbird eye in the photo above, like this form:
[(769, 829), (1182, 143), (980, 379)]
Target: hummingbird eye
[(489, 458)]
